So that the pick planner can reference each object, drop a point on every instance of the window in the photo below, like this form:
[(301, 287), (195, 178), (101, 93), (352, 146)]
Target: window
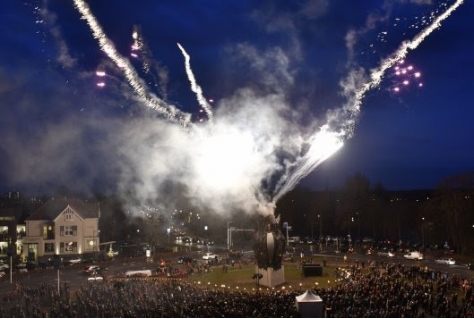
[(48, 231), (49, 247), (68, 230), (69, 214), (69, 247)]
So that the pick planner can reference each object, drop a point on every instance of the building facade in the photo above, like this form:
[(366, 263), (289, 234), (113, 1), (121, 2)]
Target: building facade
[(12, 232), (65, 227)]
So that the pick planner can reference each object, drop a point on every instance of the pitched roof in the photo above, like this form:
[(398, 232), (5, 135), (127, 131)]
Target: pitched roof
[(308, 296), (53, 207)]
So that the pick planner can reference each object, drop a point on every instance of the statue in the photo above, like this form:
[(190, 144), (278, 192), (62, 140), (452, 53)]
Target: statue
[(269, 243)]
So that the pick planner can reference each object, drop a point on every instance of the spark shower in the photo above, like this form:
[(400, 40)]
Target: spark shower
[(249, 157)]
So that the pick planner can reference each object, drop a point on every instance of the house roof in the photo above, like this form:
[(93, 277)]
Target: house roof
[(53, 207)]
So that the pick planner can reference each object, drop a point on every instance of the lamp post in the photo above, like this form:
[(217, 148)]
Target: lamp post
[(320, 219), (229, 236), (423, 232), (206, 239), (287, 228), (93, 242), (358, 229), (168, 231)]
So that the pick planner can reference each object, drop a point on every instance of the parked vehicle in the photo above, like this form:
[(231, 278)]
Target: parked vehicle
[(95, 277), (185, 260), (209, 256), (31, 265), (21, 268), (415, 255), (445, 261), (3, 266), (72, 261), (93, 269), (388, 254), (294, 240)]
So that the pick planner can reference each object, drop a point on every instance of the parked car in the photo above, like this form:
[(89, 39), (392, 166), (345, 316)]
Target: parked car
[(21, 268), (72, 261), (31, 265), (95, 277), (93, 269), (415, 255), (209, 256), (185, 260), (3, 266), (386, 254), (445, 261)]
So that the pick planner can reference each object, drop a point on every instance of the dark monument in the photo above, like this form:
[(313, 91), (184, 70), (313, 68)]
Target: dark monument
[(269, 247)]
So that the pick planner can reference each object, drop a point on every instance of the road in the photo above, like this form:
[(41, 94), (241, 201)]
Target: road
[(75, 278), (428, 261)]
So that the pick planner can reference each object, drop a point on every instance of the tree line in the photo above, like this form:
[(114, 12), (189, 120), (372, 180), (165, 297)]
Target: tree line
[(433, 218)]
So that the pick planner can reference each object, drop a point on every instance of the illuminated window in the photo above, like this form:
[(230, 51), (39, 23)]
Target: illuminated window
[(68, 247), (48, 231)]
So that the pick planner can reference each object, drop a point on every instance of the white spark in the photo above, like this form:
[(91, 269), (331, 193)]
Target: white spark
[(129, 72), (194, 86)]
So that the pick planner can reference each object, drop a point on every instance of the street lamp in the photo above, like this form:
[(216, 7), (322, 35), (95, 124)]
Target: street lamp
[(168, 231), (287, 227), (320, 232), (423, 231), (207, 239)]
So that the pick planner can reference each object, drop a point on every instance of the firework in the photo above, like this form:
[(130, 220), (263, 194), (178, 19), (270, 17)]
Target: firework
[(225, 157), (148, 99), (404, 77)]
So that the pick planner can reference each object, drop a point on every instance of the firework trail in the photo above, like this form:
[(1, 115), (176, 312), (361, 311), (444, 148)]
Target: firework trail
[(329, 142), (323, 144), (401, 52), (340, 123), (194, 86), (152, 101)]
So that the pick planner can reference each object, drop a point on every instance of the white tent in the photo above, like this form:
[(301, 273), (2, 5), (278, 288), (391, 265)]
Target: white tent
[(309, 305)]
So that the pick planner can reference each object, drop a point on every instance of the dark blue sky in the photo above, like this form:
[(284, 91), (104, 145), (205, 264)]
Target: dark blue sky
[(55, 123)]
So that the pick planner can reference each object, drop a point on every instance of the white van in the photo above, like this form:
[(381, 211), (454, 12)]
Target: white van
[(416, 255)]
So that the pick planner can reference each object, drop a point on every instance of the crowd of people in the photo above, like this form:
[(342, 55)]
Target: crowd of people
[(385, 290)]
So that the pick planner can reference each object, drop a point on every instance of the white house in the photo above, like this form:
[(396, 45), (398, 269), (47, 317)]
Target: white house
[(63, 227)]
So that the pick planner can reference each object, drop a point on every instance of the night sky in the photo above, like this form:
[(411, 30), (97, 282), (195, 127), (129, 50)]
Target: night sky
[(59, 127)]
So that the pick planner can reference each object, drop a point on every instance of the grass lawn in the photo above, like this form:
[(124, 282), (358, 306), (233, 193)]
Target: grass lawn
[(242, 278)]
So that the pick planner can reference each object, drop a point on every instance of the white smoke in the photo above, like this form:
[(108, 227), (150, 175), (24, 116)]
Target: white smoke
[(254, 152)]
